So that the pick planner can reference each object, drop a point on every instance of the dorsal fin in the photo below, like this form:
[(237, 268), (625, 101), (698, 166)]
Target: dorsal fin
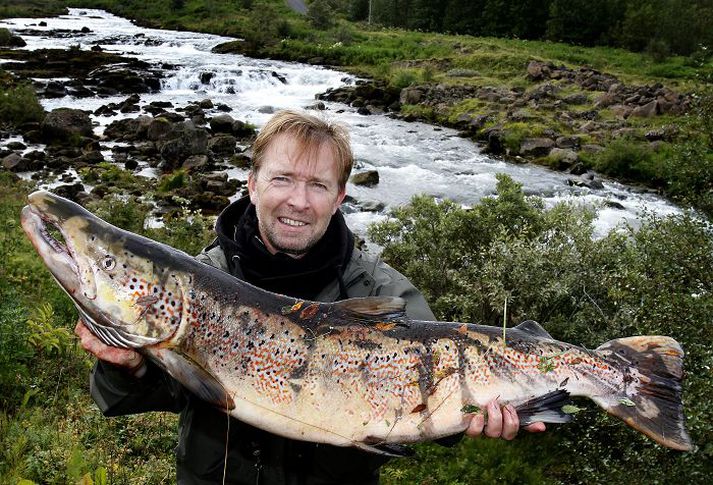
[(533, 328), (376, 308)]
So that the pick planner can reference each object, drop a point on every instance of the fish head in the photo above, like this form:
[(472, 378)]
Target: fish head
[(124, 285)]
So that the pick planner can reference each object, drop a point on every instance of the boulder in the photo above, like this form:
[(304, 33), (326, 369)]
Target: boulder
[(648, 110), (536, 147), (222, 123), (242, 129), (537, 70), (14, 162), (195, 162), (159, 129), (369, 178), (621, 110), (128, 129), (411, 95), (223, 145), (185, 140), (63, 124)]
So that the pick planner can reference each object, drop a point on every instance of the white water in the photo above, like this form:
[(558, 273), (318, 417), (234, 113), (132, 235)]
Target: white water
[(411, 158)]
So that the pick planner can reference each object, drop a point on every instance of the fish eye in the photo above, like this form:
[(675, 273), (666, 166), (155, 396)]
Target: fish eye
[(108, 263)]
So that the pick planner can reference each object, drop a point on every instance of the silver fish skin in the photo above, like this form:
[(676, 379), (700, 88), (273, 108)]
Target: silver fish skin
[(353, 373)]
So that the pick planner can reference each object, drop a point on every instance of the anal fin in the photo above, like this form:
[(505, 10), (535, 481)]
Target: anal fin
[(546, 408), (387, 449)]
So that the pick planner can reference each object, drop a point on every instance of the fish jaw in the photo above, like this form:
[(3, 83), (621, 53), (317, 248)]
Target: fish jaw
[(112, 310), (56, 255)]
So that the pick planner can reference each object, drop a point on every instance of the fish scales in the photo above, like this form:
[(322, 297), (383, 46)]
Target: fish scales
[(352, 373)]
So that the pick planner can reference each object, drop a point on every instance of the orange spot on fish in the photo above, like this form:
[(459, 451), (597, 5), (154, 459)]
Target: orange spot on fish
[(463, 329), (419, 408), (310, 311), (383, 326)]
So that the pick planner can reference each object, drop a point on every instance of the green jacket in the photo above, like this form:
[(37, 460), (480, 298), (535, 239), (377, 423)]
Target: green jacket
[(254, 456)]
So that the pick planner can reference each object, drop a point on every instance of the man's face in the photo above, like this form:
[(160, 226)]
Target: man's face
[(295, 192)]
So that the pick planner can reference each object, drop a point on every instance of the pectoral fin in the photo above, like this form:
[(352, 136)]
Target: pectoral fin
[(193, 377)]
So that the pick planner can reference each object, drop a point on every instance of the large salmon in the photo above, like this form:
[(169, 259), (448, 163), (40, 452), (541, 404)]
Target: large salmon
[(353, 373)]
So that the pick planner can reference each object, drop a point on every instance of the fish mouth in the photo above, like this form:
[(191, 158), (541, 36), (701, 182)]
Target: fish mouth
[(53, 247), (55, 227)]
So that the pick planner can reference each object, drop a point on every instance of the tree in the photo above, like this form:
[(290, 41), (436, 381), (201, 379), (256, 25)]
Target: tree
[(320, 14)]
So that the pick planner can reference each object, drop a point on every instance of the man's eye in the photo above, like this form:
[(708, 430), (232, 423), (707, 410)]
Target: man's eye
[(281, 180)]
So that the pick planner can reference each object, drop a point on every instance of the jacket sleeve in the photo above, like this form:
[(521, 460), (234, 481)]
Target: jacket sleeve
[(117, 393)]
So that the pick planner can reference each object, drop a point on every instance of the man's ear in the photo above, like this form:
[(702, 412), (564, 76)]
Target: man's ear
[(252, 187), (340, 198)]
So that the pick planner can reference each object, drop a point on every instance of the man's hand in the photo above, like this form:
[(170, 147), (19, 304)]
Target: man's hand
[(129, 359), (502, 423)]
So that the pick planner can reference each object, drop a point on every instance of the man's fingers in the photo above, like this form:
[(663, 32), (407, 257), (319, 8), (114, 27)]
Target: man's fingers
[(475, 428), (511, 423), (122, 357), (494, 427), (535, 427)]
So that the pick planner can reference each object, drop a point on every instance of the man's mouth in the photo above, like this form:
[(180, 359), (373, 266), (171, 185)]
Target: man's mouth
[(291, 222)]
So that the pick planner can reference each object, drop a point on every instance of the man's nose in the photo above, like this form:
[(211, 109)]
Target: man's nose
[(299, 196)]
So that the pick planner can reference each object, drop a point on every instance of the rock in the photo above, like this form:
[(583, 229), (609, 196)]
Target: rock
[(576, 99), (222, 123), (592, 148), (369, 178), (241, 160), (206, 104), (13, 40), (364, 111), (243, 130), (613, 205), (648, 110), (185, 140), (224, 108), (222, 145), (567, 142), (16, 145), (117, 78), (520, 115), (537, 70), (589, 126), (494, 144), (205, 77), (536, 147), (268, 110), (55, 89), (195, 162), (62, 124), (128, 129), (69, 191), (130, 164), (372, 206), (569, 156), (14, 162), (159, 129), (319, 106), (411, 95)]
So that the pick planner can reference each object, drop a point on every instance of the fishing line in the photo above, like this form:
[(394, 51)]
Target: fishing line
[(227, 436)]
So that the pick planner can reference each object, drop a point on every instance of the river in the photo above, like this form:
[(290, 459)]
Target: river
[(411, 158)]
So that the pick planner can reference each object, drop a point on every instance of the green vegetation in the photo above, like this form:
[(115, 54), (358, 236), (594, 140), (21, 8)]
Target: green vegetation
[(18, 103)]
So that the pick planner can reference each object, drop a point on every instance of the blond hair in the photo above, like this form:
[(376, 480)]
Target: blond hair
[(311, 132)]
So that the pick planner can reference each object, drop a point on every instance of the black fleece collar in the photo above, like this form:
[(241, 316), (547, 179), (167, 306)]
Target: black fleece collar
[(249, 259)]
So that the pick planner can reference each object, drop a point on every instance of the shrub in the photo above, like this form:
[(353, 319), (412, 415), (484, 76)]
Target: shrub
[(18, 105)]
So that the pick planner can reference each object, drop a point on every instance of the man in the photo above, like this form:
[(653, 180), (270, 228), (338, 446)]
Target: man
[(289, 237)]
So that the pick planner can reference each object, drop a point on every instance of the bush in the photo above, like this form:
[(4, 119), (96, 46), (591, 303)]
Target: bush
[(19, 105)]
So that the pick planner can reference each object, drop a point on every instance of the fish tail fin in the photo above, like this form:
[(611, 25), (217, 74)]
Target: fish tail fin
[(652, 400)]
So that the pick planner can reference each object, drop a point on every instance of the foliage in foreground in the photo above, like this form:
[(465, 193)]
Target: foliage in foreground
[(656, 280)]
